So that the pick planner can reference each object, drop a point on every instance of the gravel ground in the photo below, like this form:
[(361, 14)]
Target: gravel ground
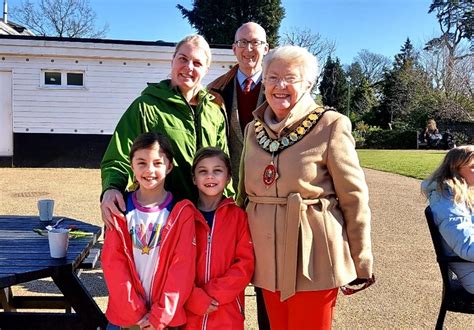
[(408, 289)]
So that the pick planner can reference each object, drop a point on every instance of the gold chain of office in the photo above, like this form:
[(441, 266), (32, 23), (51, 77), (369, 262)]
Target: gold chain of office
[(277, 145)]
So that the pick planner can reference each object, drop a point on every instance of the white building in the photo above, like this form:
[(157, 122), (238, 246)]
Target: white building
[(10, 28), (61, 98)]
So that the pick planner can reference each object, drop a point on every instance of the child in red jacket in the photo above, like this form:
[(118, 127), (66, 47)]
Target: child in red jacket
[(225, 258), (149, 260)]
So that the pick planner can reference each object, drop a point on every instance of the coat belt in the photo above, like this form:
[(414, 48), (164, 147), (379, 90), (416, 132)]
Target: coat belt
[(296, 223)]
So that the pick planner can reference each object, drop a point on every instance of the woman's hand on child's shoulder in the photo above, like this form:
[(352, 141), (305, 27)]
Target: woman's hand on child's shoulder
[(112, 205)]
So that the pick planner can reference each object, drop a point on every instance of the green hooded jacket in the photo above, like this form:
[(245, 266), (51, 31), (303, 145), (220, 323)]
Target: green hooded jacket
[(161, 108)]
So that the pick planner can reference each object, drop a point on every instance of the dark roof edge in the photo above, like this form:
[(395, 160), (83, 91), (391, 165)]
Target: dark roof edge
[(104, 41)]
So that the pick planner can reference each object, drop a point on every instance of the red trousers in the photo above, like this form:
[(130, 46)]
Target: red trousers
[(304, 310)]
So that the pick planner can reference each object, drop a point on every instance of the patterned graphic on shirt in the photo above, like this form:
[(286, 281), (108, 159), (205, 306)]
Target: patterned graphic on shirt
[(146, 240)]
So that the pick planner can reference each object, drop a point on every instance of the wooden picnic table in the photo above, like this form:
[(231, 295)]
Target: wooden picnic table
[(24, 257)]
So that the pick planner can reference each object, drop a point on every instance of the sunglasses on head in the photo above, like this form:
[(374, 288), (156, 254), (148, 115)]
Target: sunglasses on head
[(357, 285)]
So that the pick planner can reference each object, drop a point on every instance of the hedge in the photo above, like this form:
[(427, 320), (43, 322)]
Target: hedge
[(389, 139)]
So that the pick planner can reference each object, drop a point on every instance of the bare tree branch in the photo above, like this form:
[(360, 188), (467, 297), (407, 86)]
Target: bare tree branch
[(313, 42), (61, 18), (373, 65)]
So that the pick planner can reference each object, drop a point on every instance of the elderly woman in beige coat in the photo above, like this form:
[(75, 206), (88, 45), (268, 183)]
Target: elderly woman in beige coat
[(305, 195)]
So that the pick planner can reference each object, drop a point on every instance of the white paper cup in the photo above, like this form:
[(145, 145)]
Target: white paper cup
[(46, 208), (58, 242)]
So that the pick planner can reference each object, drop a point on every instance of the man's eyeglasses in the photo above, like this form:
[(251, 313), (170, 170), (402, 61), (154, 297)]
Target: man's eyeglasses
[(242, 43), (273, 80), (357, 285)]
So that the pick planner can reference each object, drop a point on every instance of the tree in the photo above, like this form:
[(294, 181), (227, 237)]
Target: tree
[(356, 74), (217, 20), (317, 45), (406, 90), (456, 21), (435, 63), (362, 94), (333, 86), (457, 102), (373, 65), (59, 18), (363, 98), (407, 57)]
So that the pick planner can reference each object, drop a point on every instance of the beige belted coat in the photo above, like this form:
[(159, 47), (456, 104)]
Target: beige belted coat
[(311, 228)]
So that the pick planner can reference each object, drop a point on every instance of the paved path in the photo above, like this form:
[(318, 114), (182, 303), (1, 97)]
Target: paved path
[(408, 288)]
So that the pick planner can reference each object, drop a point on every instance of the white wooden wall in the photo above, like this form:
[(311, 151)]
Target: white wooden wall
[(114, 75)]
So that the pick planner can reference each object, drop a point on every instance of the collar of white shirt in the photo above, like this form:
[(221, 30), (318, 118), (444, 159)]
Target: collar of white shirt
[(241, 77)]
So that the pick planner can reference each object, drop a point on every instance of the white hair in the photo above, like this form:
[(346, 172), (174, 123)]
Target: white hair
[(294, 55)]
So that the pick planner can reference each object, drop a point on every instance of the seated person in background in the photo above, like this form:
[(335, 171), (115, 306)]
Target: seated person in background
[(450, 191), (431, 135), (448, 140)]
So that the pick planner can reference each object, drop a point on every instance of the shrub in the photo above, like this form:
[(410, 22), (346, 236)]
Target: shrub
[(390, 139), (361, 131), (461, 139)]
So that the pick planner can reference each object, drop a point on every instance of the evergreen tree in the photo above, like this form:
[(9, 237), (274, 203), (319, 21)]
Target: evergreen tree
[(364, 89), (404, 89), (363, 98), (406, 58), (333, 87), (355, 72), (217, 20)]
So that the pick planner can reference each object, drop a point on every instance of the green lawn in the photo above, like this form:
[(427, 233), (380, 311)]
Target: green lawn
[(417, 164)]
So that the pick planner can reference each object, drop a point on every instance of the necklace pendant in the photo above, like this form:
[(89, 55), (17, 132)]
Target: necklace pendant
[(270, 174)]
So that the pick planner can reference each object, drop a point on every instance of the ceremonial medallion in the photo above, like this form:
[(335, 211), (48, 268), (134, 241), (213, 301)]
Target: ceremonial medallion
[(270, 174)]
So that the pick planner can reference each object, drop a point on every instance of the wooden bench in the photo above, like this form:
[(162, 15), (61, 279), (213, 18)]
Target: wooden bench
[(420, 143), (91, 260)]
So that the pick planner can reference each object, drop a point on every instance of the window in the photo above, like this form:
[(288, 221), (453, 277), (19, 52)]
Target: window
[(75, 79), (63, 79), (52, 78)]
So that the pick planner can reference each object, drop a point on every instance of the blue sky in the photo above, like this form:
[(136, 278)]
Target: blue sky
[(380, 26)]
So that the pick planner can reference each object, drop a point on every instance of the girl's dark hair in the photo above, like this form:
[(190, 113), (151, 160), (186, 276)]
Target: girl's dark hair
[(147, 140), (209, 152)]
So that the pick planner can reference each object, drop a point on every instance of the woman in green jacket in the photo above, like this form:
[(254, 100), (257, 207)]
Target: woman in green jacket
[(180, 108)]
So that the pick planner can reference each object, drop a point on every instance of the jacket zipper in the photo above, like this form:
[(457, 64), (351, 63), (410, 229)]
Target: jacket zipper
[(207, 273), (196, 121)]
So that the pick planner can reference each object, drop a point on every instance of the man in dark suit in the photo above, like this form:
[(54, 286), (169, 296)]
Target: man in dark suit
[(242, 90), (241, 87)]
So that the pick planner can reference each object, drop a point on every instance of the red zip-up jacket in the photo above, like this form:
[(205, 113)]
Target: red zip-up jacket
[(173, 279), (224, 267)]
